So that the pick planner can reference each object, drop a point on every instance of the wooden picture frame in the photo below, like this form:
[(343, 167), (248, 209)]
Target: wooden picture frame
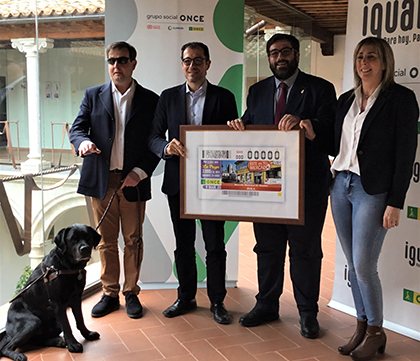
[(255, 175)]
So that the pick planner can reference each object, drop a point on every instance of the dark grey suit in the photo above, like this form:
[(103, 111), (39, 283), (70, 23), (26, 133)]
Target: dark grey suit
[(310, 98), (95, 122), (219, 107)]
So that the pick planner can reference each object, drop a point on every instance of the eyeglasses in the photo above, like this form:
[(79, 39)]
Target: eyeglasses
[(284, 52), (121, 60), (197, 61)]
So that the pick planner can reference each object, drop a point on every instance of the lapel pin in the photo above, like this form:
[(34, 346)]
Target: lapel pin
[(303, 90)]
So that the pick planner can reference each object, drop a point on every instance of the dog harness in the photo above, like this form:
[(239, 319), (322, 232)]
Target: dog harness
[(49, 274)]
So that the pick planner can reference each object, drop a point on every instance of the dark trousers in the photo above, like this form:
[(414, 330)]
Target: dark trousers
[(305, 255), (213, 234)]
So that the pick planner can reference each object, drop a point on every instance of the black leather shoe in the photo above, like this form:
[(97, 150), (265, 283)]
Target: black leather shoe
[(257, 316), (221, 315), (106, 305), (133, 306), (179, 308), (309, 326)]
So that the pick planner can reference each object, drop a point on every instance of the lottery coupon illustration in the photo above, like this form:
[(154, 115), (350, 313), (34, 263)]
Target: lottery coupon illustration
[(255, 174)]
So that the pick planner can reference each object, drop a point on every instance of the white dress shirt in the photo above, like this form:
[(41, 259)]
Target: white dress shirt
[(350, 135), (194, 108), (195, 104), (122, 104)]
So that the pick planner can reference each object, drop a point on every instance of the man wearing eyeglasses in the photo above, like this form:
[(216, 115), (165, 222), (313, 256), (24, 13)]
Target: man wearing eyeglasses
[(196, 102), (292, 98), (111, 132)]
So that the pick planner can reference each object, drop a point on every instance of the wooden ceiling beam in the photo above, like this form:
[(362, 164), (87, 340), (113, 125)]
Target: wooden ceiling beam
[(293, 13), (312, 2), (54, 30)]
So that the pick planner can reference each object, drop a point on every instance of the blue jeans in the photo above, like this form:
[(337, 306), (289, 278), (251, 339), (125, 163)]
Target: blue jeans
[(358, 219)]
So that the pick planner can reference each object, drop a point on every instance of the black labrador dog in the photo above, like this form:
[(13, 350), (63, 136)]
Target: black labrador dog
[(37, 316)]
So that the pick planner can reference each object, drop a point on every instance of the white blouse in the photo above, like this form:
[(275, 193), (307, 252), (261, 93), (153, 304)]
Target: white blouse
[(346, 160)]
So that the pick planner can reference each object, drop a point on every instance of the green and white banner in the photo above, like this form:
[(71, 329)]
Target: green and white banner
[(158, 29), (398, 22)]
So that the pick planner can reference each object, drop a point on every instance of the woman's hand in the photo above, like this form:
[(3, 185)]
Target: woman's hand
[(236, 124), (309, 130), (391, 217)]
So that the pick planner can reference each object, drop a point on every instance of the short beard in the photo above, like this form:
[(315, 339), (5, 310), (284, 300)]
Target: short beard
[(286, 72)]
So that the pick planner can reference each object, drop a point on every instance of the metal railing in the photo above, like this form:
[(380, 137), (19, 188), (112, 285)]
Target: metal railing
[(6, 129), (22, 243), (65, 130)]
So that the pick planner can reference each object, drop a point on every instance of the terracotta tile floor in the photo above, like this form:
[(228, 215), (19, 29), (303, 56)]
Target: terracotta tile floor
[(196, 336)]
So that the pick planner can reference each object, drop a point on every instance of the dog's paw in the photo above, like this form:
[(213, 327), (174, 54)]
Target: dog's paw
[(75, 347), (21, 357), (61, 343), (91, 336)]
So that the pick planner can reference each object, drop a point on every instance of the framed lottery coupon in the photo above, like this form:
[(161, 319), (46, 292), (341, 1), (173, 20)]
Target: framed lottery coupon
[(253, 175)]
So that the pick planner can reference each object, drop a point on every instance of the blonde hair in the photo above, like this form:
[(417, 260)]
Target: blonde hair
[(386, 56)]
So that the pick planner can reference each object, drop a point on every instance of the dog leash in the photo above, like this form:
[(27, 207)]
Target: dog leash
[(108, 206), (139, 240), (28, 286), (51, 273)]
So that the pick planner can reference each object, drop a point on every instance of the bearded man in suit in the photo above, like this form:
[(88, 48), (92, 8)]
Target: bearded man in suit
[(292, 98)]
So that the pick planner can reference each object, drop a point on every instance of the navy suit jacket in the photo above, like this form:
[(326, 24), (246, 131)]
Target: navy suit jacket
[(311, 98), (388, 141), (219, 107), (95, 122)]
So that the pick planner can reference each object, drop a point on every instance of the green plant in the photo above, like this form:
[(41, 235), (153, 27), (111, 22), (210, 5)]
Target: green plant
[(27, 271)]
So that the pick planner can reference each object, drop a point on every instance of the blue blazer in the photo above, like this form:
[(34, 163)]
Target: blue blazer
[(219, 107), (96, 122), (388, 141), (311, 98)]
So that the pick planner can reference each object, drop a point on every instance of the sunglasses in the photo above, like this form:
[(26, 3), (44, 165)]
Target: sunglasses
[(121, 60)]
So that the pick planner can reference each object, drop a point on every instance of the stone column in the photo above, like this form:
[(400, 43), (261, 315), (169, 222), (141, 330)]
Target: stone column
[(29, 46)]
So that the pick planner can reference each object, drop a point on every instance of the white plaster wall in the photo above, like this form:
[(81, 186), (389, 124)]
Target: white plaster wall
[(74, 69), (330, 67), (74, 73)]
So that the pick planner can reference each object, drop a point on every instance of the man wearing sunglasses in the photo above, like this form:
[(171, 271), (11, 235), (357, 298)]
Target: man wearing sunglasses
[(287, 99), (196, 102), (111, 132)]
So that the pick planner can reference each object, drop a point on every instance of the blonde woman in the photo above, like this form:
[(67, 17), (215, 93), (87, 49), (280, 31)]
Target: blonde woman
[(375, 147)]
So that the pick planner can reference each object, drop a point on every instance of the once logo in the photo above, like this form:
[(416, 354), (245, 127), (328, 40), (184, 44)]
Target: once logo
[(192, 18)]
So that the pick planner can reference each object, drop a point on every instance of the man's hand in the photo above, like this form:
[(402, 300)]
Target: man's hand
[(87, 147), (288, 122), (309, 130), (236, 124), (131, 180), (175, 147)]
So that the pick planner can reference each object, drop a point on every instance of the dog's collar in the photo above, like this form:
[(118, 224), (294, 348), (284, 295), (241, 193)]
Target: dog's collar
[(51, 273)]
